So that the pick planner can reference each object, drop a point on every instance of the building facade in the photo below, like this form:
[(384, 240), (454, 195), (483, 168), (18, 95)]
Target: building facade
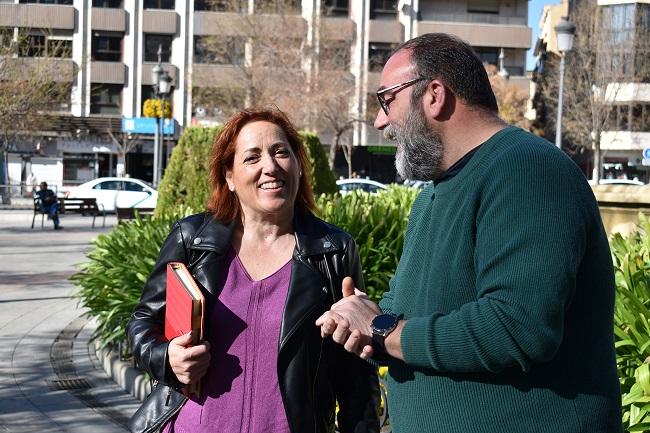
[(623, 52), (113, 46)]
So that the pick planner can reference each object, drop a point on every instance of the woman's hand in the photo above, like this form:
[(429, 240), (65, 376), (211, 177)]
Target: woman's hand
[(189, 364)]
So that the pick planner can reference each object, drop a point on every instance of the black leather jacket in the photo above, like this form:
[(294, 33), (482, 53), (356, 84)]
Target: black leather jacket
[(313, 373)]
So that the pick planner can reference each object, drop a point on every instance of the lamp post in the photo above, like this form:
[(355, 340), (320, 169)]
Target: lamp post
[(564, 31), (162, 88)]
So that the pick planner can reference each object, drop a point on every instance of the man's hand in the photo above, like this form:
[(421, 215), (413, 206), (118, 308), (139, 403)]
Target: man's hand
[(348, 321), (189, 364)]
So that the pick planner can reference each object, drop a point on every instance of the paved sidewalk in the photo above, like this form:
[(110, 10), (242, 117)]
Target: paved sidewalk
[(50, 379)]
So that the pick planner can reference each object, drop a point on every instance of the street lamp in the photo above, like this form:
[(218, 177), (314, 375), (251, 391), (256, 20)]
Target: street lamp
[(162, 88), (564, 31)]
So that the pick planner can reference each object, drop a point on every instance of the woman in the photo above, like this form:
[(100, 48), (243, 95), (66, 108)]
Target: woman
[(268, 268)]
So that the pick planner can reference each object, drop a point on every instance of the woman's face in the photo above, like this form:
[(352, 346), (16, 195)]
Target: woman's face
[(265, 172)]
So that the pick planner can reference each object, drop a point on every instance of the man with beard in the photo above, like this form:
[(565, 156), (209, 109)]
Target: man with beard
[(500, 315)]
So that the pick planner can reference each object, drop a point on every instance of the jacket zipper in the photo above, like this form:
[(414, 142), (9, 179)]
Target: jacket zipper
[(313, 385), (156, 427)]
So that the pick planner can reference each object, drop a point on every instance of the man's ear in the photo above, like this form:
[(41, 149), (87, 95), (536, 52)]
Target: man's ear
[(434, 99)]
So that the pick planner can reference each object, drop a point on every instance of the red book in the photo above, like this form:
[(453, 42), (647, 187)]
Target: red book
[(184, 304), (184, 308)]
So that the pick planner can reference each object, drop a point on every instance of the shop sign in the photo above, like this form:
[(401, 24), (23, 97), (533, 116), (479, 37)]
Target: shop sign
[(146, 125), (646, 156)]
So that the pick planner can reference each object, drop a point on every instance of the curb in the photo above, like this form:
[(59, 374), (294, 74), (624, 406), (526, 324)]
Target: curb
[(133, 380)]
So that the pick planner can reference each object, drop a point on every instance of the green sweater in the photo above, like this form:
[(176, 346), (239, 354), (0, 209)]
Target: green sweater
[(507, 285)]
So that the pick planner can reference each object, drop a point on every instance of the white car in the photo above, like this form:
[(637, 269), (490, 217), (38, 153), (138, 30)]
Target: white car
[(112, 192), (347, 185), (620, 182)]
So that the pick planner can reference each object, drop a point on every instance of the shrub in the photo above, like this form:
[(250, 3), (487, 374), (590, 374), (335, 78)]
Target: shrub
[(378, 223), (322, 178), (110, 283), (632, 323), (185, 183)]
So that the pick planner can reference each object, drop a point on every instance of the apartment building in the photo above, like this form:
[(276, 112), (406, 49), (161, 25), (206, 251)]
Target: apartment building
[(114, 46), (625, 27)]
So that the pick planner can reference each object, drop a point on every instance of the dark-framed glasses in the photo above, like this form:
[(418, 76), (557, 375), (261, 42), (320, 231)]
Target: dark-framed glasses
[(393, 89)]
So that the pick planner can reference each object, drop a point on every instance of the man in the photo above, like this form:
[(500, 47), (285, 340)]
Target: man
[(500, 315), (49, 204)]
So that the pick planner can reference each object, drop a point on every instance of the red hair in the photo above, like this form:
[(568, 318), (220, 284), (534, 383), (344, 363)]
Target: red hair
[(223, 203)]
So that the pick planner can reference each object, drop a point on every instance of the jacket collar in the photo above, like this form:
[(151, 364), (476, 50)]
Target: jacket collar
[(313, 236)]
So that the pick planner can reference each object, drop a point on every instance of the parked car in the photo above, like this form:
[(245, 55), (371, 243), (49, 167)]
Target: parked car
[(417, 183), (347, 185), (112, 192), (620, 182)]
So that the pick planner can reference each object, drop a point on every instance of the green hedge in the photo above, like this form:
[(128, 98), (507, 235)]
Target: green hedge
[(186, 179), (632, 324)]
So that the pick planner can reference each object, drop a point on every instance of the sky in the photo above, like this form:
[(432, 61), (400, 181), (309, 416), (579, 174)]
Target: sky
[(534, 14)]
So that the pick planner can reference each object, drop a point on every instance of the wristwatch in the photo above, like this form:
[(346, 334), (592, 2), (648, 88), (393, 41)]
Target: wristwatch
[(381, 326)]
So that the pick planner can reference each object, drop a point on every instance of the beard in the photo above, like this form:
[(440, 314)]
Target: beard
[(420, 150)]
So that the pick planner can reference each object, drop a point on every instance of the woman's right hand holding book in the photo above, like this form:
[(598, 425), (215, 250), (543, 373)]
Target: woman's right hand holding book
[(189, 363)]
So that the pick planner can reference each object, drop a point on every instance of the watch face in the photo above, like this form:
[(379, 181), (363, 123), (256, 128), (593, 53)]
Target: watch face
[(384, 321)]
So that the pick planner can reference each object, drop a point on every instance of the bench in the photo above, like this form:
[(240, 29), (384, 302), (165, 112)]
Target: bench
[(37, 210), (83, 206), (128, 213)]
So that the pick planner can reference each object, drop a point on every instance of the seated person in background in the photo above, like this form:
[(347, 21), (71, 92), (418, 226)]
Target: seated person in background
[(48, 203)]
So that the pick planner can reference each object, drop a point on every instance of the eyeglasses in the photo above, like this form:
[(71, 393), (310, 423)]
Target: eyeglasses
[(396, 88)]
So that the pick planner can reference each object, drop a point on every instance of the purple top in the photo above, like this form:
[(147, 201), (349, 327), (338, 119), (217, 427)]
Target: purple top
[(240, 389)]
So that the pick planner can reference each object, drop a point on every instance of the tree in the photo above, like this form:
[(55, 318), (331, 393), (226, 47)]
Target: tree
[(511, 99), (125, 143), (602, 60), (29, 69), (280, 61)]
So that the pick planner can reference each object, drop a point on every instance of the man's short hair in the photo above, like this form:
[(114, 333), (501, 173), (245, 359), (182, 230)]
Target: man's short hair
[(454, 62)]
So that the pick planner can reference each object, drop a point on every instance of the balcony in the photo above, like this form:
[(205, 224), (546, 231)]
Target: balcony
[(109, 19), (37, 16), (624, 140), (477, 18), (61, 70), (482, 35), (233, 24), (390, 32), (160, 21), (107, 72), (204, 75), (338, 29)]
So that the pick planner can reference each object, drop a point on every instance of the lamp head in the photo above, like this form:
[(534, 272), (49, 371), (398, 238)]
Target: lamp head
[(565, 31)]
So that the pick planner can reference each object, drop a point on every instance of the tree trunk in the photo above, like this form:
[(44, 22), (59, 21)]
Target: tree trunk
[(121, 164), (5, 191), (332, 152), (597, 163)]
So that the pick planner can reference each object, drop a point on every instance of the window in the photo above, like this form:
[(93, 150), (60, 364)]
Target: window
[(113, 185), (107, 4), (158, 4), (33, 46), (219, 50), (278, 6), (60, 48), (488, 55), (48, 2), (221, 5), (336, 8), (151, 44), (383, 9), (378, 54), (132, 186), (106, 48), (483, 7), (105, 98)]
